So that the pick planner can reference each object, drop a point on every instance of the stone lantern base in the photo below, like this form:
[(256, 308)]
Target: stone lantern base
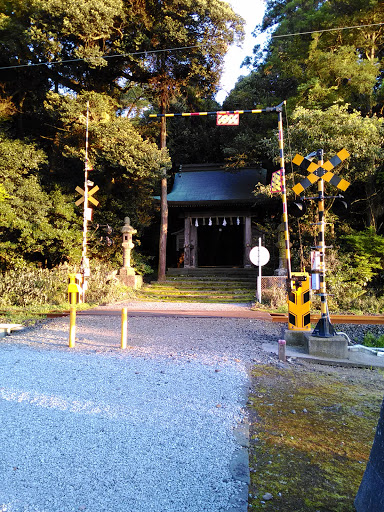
[(128, 277)]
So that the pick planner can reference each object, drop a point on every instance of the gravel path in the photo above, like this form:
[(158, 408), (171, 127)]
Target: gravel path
[(152, 428)]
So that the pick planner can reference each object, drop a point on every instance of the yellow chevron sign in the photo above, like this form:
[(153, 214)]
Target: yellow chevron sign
[(324, 171), (299, 303)]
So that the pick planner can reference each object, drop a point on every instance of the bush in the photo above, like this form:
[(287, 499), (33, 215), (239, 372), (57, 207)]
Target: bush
[(275, 297), (371, 341), (31, 287), (36, 287)]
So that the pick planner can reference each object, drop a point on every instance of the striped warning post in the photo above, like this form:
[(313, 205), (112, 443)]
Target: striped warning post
[(284, 194), (299, 302)]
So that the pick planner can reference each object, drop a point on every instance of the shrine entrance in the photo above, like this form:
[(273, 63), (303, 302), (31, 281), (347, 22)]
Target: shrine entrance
[(216, 206), (220, 246)]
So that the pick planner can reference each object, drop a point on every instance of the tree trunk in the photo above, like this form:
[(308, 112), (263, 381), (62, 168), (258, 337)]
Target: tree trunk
[(163, 208)]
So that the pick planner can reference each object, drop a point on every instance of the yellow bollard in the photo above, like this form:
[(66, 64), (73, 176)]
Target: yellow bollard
[(74, 290), (72, 320), (124, 327)]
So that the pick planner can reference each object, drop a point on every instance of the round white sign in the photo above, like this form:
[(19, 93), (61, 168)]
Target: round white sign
[(259, 256)]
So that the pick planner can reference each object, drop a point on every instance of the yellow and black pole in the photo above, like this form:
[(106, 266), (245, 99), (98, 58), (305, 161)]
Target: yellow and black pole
[(324, 328), (297, 283), (284, 194)]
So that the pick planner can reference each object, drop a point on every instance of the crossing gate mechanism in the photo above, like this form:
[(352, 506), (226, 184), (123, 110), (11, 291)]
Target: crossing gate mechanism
[(299, 302)]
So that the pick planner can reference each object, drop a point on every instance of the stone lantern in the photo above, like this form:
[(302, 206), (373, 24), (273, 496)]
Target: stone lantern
[(127, 273)]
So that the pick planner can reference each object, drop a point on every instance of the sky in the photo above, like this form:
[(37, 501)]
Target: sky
[(252, 11)]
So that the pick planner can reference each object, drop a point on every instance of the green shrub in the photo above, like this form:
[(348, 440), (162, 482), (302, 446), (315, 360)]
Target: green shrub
[(30, 286), (36, 287), (275, 298), (371, 341)]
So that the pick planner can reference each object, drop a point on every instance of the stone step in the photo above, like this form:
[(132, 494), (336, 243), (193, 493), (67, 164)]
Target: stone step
[(196, 293), (210, 279), (189, 292), (206, 285), (203, 285), (214, 271)]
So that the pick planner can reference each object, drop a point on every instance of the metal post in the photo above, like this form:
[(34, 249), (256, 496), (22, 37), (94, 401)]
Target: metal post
[(72, 320), (259, 275), (84, 260), (324, 327)]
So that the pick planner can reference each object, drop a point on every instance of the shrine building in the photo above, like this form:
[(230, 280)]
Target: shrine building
[(214, 217)]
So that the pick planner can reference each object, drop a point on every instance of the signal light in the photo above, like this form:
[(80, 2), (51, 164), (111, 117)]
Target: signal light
[(340, 207), (298, 208)]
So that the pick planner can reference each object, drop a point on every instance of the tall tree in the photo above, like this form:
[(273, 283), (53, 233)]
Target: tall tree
[(125, 167), (333, 50), (110, 46), (201, 31), (363, 137)]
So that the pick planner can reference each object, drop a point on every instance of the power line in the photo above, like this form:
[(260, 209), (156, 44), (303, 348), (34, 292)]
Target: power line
[(326, 30), (53, 63)]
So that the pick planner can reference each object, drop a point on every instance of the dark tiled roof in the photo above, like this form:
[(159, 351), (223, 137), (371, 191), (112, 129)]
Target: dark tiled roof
[(216, 185)]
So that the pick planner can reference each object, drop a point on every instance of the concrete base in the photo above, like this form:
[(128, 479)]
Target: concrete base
[(335, 347), (6, 329), (296, 338), (128, 277)]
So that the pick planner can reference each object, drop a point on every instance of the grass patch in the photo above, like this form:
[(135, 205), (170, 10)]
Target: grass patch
[(370, 340), (311, 435), (30, 294)]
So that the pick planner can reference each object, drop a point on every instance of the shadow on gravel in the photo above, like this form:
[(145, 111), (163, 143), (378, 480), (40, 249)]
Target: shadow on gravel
[(311, 433)]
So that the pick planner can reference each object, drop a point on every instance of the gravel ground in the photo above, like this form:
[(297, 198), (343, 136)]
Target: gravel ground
[(159, 427), (151, 428)]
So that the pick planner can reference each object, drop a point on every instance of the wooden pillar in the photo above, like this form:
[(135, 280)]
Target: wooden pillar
[(187, 242), (193, 238), (247, 241)]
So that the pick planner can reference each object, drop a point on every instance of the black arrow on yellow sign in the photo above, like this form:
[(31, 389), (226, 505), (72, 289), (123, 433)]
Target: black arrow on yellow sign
[(90, 193)]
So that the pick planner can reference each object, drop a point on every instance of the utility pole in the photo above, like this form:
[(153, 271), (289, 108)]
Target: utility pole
[(163, 208), (86, 196), (84, 267)]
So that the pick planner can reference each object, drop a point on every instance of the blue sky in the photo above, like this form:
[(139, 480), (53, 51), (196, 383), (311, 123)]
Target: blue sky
[(252, 11)]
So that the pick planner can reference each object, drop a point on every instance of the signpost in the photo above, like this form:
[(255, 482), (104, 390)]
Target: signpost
[(86, 197), (259, 256), (320, 173)]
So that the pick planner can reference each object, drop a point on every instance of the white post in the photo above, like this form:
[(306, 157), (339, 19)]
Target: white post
[(84, 260), (259, 275)]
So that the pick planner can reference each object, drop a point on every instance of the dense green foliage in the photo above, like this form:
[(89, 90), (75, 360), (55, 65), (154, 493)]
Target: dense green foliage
[(326, 59), (46, 290), (121, 57), (128, 58)]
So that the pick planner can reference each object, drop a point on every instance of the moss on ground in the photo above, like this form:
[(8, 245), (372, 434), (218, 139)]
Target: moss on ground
[(310, 437)]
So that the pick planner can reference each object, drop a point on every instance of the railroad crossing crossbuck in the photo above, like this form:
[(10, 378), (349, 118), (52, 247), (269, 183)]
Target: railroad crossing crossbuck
[(323, 171), (89, 195)]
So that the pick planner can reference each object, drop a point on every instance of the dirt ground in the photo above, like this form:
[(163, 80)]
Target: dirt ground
[(311, 432)]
